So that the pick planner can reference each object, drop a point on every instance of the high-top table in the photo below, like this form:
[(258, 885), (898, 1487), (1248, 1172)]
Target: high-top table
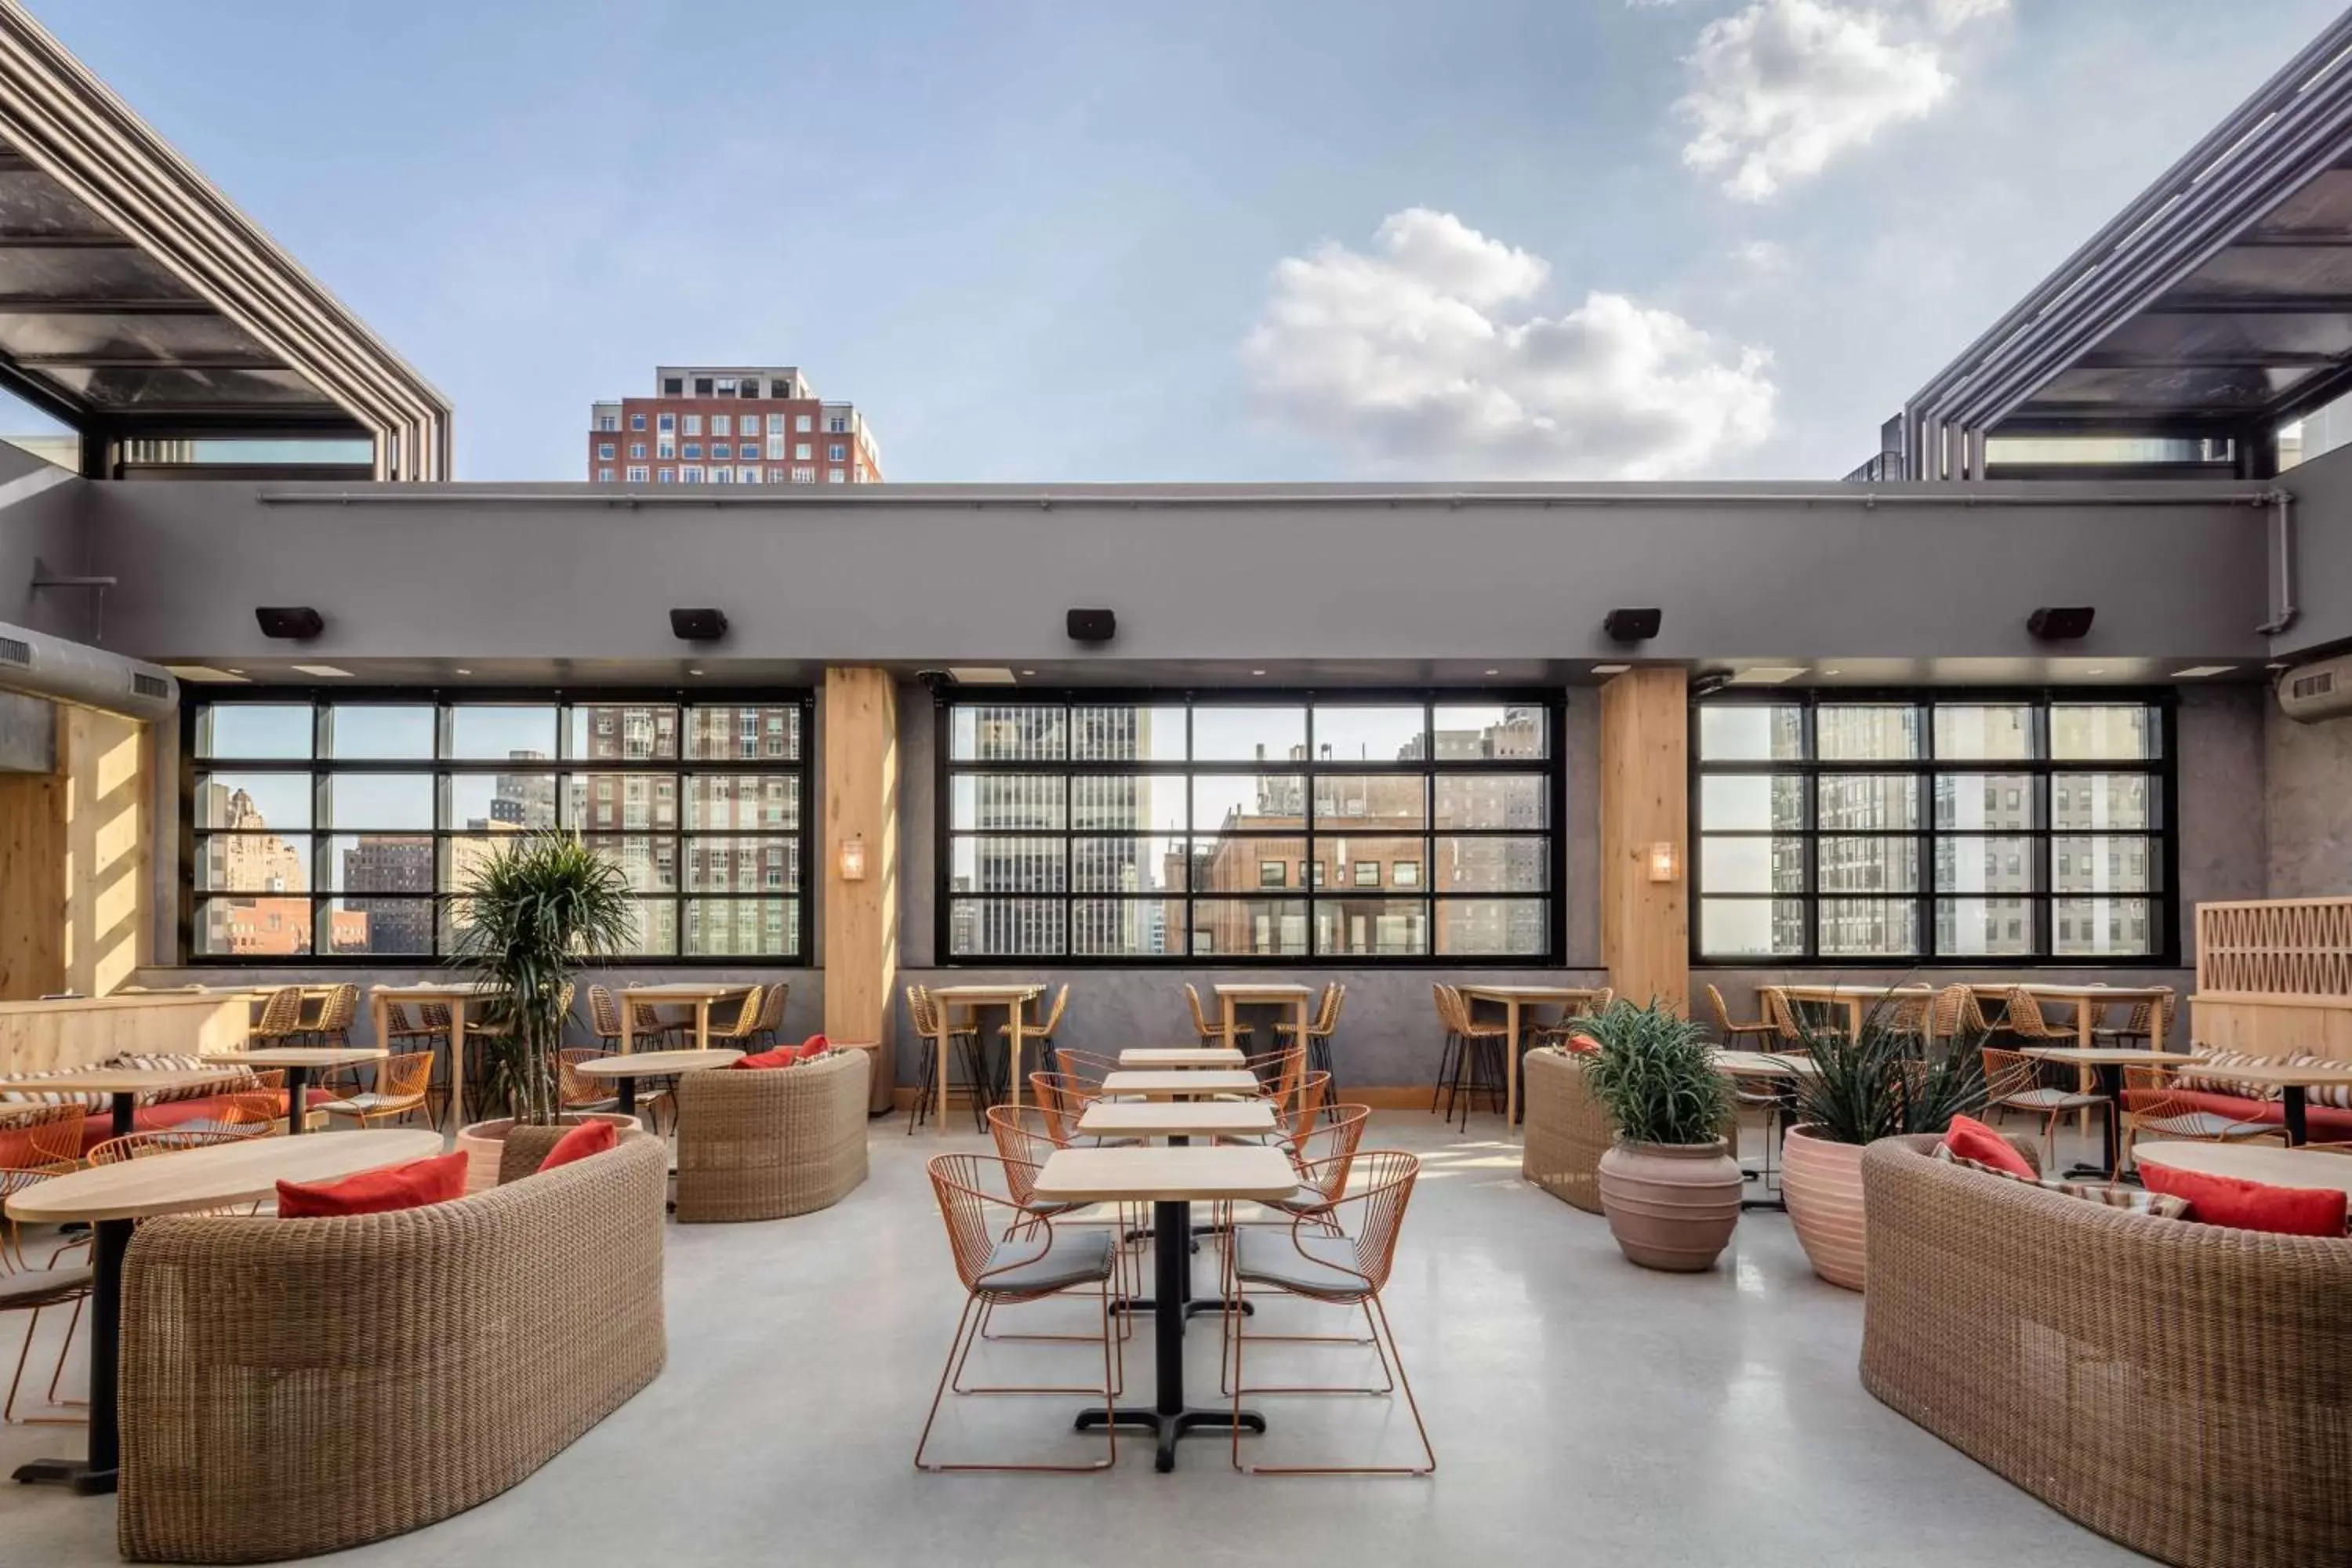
[(2294, 1079), (454, 994), (109, 1197), (1011, 998), (2089, 1002), (1857, 1000), (2106, 1064), (625, 1070), (125, 1084), (1171, 1181), (1146, 1057), (2250, 1163), (1254, 993), (1512, 998), (298, 1061), (697, 994)]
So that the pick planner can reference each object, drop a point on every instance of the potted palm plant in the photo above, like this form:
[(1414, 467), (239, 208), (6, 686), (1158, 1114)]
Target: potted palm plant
[(543, 904), (1881, 1082), (1669, 1185)]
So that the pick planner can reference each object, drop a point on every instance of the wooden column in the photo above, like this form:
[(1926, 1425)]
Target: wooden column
[(75, 848), (1645, 801), (860, 801), (32, 885)]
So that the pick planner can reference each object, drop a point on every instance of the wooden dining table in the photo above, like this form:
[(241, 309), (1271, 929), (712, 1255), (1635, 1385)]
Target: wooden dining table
[(457, 996), (122, 1086), (1857, 1000), (1512, 998), (698, 996), (1013, 998), (1180, 1083), (2294, 1081), (1239, 994), (1145, 1057), (625, 1070)]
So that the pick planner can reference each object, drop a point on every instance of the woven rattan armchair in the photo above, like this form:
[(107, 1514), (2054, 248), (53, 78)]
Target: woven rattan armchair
[(1568, 1130), (547, 1290), (2177, 1387), (771, 1143)]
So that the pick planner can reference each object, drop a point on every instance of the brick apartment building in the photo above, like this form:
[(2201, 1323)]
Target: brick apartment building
[(730, 425)]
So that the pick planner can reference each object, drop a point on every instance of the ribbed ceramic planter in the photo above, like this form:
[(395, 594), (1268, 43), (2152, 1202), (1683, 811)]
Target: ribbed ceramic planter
[(1670, 1205), (1823, 1185)]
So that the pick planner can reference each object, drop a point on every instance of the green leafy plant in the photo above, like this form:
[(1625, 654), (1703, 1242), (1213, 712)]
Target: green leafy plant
[(1883, 1081), (541, 904), (1656, 1073)]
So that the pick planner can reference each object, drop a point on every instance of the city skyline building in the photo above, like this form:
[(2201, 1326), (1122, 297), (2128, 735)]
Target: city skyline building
[(740, 425)]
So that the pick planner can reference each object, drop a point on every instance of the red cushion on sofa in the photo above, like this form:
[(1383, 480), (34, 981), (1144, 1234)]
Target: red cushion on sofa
[(436, 1180), (781, 1056), (1580, 1045), (588, 1138), (2251, 1205), (814, 1045), (1973, 1140)]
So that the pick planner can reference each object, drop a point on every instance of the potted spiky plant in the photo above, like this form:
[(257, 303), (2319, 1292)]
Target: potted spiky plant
[(1880, 1083), (1669, 1185), (541, 905)]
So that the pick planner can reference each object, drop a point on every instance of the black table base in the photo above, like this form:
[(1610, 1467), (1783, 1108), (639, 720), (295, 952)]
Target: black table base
[(2109, 1077), (95, 1474), (298, 1098)]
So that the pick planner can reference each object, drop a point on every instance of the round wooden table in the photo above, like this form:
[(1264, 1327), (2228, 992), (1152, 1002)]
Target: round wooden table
[(298, 1061), (2294, 1079), (626, 1068), (109, 1197), (2251, 1163), (125, 1084)]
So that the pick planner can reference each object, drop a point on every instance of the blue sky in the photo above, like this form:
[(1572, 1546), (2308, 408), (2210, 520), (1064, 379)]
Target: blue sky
[(1048, 241)]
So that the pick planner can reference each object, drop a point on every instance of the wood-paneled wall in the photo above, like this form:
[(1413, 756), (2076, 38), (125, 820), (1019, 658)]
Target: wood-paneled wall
[(2274, 977), (38, 1036), (32, 885), (76, 853), (1646, 800), (860, 751)]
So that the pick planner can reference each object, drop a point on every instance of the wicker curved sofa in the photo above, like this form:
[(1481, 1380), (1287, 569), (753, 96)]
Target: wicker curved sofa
[(2180, 1388), (1568, 1130), (772, 1143), (297, 1386)]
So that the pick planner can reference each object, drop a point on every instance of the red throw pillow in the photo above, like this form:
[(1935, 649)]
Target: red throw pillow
[(814, 1045), (2251, 1205), (436, 1180), (1583, 1045), (781, 1056), (1973, 1140), (588, 1138)]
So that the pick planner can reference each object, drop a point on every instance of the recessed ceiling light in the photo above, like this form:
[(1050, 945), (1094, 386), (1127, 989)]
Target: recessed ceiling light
[(324, 671), (982, 674), (234, 670), (1257, 672), (1028, 672), (2097, 671), (1610, 668), (1495, 672), (1833, 672), (2198, 671), (202, 672), (1767, 674), (464, 671), (694, 672)]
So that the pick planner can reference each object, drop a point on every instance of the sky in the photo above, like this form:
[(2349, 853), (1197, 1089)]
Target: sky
[(1320, 239)]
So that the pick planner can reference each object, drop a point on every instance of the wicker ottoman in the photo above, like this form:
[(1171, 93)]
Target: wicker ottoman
[(768, 1144), (1568, 1132)]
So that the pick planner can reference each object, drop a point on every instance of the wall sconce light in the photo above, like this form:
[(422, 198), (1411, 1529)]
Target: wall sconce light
[(851, 859), (1665, 861)]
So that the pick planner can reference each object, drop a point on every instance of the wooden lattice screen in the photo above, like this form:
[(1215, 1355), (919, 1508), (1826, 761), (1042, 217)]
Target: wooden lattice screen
[(2296, 946)]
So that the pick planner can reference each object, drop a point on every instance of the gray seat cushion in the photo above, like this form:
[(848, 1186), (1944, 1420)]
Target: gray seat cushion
[(1318, 1265), (2051, 1100), (1076, 1257), (40, 1286)]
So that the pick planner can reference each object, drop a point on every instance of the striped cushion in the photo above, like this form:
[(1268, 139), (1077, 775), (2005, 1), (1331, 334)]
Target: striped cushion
[(2208, 1070), (170, 1061), (2113, 1195), (59, 1097), (2338, 1095)]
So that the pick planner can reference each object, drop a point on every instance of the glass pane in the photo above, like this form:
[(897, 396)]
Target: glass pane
[(1751, 928), (1760, 865), (1119, 802), (462, 857), (1968, 732), (1985, 865), (253, 928), (1749, 732), (1490, 866), (1369, 860), (482, 734), (1128, 865), (1472, 928), (742, 800), (1401, 799), (1246, 865), (1228, 802), (1467, 732), (1011, 927), (753, 732), (607, 801), (253, 801), (1755, 801), (379, 925), (1854, 734), (2101, 800), (2082, 928), (653, 932), (621, 731), (380, 863), (2098, 731), (1983, 927), (742, 928), (479, 802), (1124, 732), (1275, 927), (1866, 865), (1126, 927), (253, 730), (998, 801), (1980, 802), (377, 732), (1862, 927), (1008, 865), (1249, 734), (1857, 802), (647, 862), (762, 865), (1350, 734), (1392, 928), (253, 863), (2111, 863), (1008, 732), (1471, 801), (381, 801)]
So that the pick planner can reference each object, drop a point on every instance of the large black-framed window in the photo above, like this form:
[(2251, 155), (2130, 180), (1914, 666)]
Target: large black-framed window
[(342, 825), (1125, 827), (1846, 827)]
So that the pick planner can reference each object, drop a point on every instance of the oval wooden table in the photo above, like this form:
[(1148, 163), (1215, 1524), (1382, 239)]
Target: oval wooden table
[(125, 1084), (109, 1197), (2251, 1163), (625, 1070), (299, 1061), (2294, 1079)]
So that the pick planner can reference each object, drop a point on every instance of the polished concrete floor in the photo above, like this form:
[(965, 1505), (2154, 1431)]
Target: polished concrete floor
[(1583, 1411)]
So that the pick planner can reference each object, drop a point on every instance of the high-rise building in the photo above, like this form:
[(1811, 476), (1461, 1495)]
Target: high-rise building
[(731, 426)]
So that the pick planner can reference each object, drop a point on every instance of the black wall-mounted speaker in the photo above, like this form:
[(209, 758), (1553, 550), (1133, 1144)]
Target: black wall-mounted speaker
[(698, 625), (1632, 625), (2060, 624), (296, 622), (1093, 626)]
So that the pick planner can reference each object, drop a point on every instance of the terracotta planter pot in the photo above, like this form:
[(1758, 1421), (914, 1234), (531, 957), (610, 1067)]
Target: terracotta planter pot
[(1823, 1183), (1670, 1205), (484, 1144)]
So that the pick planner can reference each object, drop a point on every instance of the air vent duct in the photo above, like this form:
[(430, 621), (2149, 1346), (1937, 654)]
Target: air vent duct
[(39, 665)]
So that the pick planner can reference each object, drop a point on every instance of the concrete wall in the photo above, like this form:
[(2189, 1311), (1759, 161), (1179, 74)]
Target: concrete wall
[(41, 533), (2307, 781), (2323, 554)]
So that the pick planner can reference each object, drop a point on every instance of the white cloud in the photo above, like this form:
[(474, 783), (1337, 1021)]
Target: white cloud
[(1765, 258), (1777, 90), (1413, 355)]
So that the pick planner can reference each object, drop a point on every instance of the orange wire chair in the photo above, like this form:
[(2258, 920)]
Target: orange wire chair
[(1061, 1101), (32, 1291), (1025, 1141), (1028, 1263), (2013, 1082), (2153, 1103), (399, 1092), (35, 1143)]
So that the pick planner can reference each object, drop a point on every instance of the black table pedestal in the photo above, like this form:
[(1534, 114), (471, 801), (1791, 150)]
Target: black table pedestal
[(298, 1098), (2109, 1077), (95, 1474), (2293, 1108)]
